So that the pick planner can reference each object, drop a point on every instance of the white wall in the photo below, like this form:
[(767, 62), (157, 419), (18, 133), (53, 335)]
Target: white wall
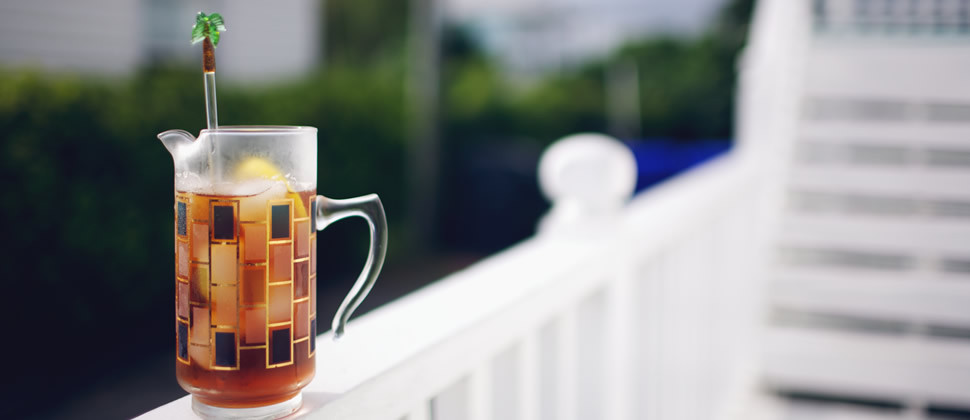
[(264, 40), (99, 36), (542, 35)]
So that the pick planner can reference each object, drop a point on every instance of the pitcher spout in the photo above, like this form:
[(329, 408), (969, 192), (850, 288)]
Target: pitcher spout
[(174, 140)]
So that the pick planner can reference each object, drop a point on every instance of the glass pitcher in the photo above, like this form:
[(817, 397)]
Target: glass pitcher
[(246, 216)]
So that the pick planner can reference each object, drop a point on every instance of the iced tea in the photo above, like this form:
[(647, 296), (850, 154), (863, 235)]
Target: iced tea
[(245, 293)]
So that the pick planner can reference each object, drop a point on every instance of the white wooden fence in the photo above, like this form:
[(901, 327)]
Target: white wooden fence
[(648, 310), (650, 315), (657, 309)]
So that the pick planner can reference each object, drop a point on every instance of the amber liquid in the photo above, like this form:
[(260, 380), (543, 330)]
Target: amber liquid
[(245, 296)]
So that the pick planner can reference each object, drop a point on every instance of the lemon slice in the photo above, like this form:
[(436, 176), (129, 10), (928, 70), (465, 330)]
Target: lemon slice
[(259, 168)]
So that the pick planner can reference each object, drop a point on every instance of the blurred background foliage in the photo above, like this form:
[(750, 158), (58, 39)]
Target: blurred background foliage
[(87, 201)]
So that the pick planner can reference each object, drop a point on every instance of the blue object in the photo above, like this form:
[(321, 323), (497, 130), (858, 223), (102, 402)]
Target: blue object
[(661, 158)]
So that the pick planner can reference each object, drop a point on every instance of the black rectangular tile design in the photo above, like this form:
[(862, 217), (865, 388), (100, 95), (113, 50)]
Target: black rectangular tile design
[(182, 224), (183, 340), (225, 349), (313, 334), (313, 215), (281, 221), (222, 223), (279, 346)]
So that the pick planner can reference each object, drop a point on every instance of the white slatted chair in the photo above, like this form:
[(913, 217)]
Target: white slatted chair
[(870, 287)]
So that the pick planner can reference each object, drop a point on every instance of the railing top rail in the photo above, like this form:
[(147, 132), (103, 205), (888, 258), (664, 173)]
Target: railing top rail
[(448, 327)]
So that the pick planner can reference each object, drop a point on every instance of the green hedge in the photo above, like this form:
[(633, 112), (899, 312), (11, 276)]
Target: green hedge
[(88, 196)]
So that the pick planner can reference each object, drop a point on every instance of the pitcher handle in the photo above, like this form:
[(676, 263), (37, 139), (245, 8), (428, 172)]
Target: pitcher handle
[(370, 208)]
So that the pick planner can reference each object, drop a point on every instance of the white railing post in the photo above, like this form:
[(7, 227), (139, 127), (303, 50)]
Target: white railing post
[(421, 412), (588, 178), (528, 370), (650, 315), (567, 366), (480, 393), (620, 344), (592, 352)]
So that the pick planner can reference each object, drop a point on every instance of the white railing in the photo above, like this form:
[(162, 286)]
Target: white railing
[(649, 310), (648, 317), (653, 309)]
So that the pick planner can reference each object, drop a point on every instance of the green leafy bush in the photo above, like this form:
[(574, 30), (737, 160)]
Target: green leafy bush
[(89, 193)]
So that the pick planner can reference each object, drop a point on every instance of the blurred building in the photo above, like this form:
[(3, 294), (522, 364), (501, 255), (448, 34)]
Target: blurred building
[(115, 37), (269, 40), (536, 36)]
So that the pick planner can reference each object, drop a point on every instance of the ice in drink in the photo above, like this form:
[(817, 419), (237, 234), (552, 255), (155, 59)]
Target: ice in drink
[(245, 293)]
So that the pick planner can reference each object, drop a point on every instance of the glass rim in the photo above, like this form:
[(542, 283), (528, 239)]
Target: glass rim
[(260, 129)]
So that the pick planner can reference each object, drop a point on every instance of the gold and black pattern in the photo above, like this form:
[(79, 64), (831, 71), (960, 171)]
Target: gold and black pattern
[(223, 303), (225, 283), (279, 283), (312, 342), (224, 214), (181, 245), (182, 337), (225, 348), (181, 210)]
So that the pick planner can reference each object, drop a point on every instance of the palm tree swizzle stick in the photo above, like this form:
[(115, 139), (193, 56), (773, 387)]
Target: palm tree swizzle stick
[(207, 29)]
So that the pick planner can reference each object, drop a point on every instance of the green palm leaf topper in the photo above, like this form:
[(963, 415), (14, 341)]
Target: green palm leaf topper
[(207, 26), (207, 29)]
